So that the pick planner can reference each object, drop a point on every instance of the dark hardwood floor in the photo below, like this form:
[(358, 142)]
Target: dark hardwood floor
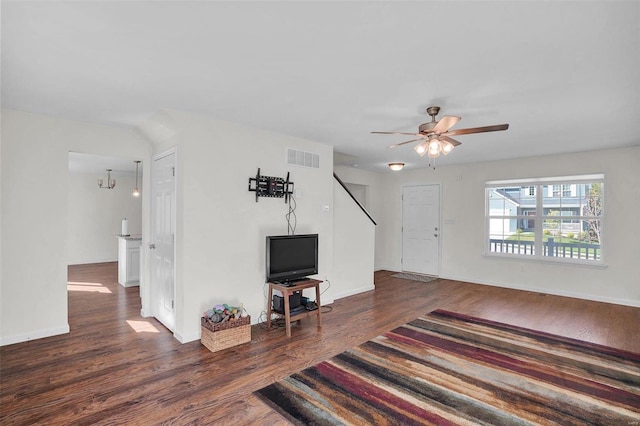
[(115, 367)]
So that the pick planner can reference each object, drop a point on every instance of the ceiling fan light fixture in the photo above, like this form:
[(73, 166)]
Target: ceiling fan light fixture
[(396, 166), (435, 136), (447, 147), (421, 148), (433, 154), (434, 148)]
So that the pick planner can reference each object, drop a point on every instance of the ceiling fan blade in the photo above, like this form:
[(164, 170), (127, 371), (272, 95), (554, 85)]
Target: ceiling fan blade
[(403, 143), (445, 123), (396, 133), (450, 140), (495, 128)]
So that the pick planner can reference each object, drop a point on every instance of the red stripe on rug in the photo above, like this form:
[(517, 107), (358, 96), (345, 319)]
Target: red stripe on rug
[(371, 393)]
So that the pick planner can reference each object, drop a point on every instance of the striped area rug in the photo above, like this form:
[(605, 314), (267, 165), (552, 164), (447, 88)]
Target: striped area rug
[(446, 368)]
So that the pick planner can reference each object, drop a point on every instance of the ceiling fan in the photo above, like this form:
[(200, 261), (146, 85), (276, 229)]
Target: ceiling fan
[(434, 136)]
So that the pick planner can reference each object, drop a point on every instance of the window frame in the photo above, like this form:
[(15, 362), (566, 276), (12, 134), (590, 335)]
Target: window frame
[(539, 217)]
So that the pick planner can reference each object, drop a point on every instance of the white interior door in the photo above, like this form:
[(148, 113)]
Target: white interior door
[(162, 239), (421, 229)]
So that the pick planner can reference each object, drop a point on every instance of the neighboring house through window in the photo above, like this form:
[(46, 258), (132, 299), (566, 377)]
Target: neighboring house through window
[(556, 218)]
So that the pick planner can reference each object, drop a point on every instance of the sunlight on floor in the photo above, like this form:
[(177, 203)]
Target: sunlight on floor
[(94, 287), (142, 326)]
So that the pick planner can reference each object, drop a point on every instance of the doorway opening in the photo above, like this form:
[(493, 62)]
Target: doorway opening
[(98, 215)]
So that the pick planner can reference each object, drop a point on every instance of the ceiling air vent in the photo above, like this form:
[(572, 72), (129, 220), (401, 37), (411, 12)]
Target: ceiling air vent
[(302, 158)]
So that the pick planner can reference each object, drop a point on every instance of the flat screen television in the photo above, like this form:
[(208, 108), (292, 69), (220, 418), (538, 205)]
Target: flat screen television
[(291, 258)]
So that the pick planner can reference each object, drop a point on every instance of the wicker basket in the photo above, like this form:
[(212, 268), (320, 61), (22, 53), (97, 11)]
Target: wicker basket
[(223, 335)]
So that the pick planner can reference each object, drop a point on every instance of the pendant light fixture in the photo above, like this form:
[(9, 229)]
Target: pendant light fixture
[(111, 183), (136, 191)]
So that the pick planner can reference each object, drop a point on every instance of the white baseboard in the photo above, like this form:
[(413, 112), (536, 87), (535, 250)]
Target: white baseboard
[(186, 339), (354, 291), (583, 296), (388, 268), (40, 334)]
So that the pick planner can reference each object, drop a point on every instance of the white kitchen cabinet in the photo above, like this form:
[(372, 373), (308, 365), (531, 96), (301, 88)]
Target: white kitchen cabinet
[(129, 260)]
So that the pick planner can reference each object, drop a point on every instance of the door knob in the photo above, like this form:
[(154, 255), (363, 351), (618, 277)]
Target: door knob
[(152, 246), (435, 235)]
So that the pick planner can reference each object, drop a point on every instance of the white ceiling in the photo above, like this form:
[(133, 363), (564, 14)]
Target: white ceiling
[(564, 74)]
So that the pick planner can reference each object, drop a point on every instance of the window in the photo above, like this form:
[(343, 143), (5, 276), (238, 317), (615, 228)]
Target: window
[(561, 190), (560, 219)]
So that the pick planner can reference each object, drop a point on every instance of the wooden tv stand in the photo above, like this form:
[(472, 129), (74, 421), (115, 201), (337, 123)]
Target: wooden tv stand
[(286, 292)]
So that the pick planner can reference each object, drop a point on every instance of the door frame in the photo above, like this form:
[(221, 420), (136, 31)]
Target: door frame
[(153, 287), (439, 249)]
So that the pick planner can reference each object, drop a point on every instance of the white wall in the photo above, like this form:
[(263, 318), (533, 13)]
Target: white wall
[(95, 216), (463, 223), (34, 218), (221, 230), (354, 246), (377, 184)]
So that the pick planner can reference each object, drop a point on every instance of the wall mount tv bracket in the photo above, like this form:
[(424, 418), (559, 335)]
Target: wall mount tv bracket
[(269, 186)]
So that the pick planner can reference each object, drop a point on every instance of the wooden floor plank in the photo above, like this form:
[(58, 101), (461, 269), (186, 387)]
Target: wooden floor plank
[(105, 372)]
